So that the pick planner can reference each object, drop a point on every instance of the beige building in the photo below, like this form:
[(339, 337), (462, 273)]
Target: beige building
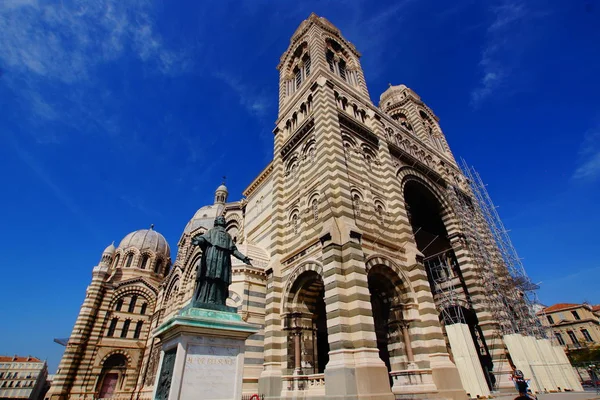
[(574, 325), (373, 272), (22, 377)]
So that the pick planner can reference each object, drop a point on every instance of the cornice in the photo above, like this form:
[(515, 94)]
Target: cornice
[(362, 130), (297, 137), (259, 180), (136, 280)]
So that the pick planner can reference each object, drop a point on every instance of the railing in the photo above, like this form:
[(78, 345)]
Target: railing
[(253, 397), (314, 382)]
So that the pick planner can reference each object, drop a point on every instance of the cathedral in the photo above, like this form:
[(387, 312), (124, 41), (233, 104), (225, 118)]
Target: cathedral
[(368, 279)]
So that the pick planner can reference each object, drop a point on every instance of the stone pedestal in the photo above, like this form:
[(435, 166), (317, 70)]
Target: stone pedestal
[(413, 381), (202, 355), (357, 374)]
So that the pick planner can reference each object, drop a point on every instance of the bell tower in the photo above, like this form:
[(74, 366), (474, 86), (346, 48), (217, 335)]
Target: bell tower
[(317, 48), (327, 153)]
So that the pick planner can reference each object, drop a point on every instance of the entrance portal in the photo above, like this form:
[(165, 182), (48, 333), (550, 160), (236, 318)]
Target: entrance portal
[(443, 271), (306, 324), (112, 375), (388, 304)]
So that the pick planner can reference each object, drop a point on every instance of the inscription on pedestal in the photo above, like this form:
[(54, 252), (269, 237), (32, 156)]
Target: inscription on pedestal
[(210, 373)]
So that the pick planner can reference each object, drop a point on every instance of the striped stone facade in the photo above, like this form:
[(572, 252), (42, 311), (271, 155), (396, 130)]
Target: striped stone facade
[(346, 228)]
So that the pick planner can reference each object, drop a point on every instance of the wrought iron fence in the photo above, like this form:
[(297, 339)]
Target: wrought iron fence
[(253, 397)]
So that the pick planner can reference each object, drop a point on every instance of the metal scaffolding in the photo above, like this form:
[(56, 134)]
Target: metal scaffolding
[(503, 267)]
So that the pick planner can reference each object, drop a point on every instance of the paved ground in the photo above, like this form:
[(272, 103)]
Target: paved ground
[(587, 395)]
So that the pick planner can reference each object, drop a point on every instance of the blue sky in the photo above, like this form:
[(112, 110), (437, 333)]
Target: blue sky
[(116, 115)]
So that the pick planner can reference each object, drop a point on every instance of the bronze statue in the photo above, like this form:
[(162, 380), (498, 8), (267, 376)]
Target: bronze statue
[(213, 276)]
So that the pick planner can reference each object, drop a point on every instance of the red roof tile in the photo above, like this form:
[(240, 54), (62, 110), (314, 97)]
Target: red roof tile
[(560, 306), (19, 359)]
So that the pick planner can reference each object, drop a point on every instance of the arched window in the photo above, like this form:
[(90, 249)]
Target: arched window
[(125, 329), (129, 260), (158, 266), (119, 305), (112, 327), (143, 309), (145, 258), (369, 161), (403, 120), (132, 303), (301, 70), (138, 329), (336, 62), (330, 62), (356, 202), (342, 69), (380, 212), (233, 230), (309, 151), (297, 77), (315, 209), (295, 223), (116, 263), (306, 62), (292, 166)]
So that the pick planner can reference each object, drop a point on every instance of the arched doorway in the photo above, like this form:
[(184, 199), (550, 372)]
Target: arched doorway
[(446, 281), (112, 375), (381, 304), (389, 303), (306, 325)]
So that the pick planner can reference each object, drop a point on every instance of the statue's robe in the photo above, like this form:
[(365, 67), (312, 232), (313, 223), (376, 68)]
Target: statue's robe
[(213, 276)]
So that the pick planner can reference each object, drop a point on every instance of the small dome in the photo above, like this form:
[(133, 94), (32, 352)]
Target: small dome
[(204, 217), (221, 194), (110, 249), (147, 239), (390, 91)]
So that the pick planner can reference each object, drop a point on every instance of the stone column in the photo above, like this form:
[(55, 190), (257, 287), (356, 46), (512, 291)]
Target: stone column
[(297, 353), (407, 344)]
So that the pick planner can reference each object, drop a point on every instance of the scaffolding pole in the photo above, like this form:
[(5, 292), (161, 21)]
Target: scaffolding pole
[(522, 298)]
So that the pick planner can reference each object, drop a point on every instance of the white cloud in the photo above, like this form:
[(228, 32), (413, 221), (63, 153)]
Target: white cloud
[(66, 40), (52, 51), (589, 156), (255, 102), (502, 48)]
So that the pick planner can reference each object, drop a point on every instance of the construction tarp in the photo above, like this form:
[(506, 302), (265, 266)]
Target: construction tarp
[(467, 360), (514, 343)]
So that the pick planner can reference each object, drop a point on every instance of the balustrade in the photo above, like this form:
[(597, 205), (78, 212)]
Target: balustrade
[(313, 382)]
